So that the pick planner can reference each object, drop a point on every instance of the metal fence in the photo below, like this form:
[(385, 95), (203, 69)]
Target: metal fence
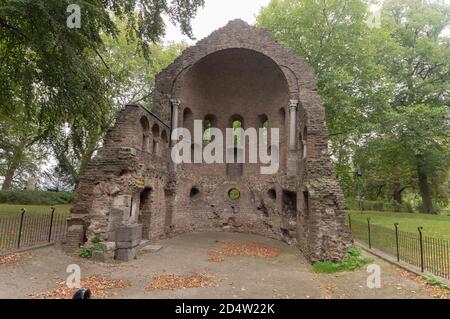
[(28, 229), (427, 253)]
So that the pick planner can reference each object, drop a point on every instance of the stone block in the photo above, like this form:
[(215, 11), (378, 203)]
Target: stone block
[(129, 233), (126, 254), (98, 256), (152, 248), (128, 244)]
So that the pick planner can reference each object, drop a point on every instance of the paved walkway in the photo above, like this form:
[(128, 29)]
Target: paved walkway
[(285, 276)]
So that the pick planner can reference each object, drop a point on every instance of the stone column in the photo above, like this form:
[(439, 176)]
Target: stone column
[(293, 105), (156, 147), (175, 110)]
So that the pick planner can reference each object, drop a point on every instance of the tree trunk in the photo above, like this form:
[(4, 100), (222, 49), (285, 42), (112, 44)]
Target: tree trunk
[(398, 191), (14, 164), (424, 187)]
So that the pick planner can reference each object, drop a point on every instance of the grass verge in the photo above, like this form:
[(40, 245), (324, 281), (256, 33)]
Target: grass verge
[(354, 261)]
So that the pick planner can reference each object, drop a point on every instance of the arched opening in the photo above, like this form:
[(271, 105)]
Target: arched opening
[(164, 137), (272, 193), (145, 134), (242, 84), (188, 120), (194, 194), (145, 199), (264, 125), (155, 130), (290, 203), (237, 123), (209, 122), (145, 210)]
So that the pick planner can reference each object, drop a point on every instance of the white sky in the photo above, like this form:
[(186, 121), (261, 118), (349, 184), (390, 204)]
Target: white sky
[(216, 14)]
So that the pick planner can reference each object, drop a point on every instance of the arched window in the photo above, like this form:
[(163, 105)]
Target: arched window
[(188, 120), (145, 134), (264, 124), (164, 137), (155, 131), (237, 123), (209, 122)]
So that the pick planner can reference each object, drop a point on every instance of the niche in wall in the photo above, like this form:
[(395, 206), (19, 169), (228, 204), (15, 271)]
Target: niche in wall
[(290, 203)]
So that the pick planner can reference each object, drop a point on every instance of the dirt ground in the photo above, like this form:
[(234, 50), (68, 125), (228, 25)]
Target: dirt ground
[(285, 276)]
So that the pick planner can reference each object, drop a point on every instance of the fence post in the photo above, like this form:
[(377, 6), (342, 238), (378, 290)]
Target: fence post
[(51, 225), (396, 241), (421, 248), (368, 228), (350, 222), (22, 215)]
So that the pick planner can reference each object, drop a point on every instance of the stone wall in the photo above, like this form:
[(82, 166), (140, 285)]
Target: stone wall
[(238, 73)]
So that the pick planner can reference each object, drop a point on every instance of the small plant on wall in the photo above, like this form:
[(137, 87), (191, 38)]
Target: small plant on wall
[(86, 252)]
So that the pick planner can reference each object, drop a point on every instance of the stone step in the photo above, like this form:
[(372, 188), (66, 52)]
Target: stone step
[(147, 246)]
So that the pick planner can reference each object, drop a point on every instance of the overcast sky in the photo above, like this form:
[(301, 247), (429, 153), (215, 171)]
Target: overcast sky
[(216, 14)]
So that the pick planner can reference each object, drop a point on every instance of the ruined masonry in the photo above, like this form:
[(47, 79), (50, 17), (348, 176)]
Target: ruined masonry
[(132, 193)]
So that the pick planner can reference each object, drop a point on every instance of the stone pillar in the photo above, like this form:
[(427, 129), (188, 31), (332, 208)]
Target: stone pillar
[(292, 160), (175, 111), (293, 124), (146, 143), (156, 147)]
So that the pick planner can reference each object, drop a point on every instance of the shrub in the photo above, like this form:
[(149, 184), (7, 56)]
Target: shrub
[(352, 204), (86, 252), (354, 261), (35, 197)]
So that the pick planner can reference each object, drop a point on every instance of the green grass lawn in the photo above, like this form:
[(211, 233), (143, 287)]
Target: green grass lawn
[(437, 226), (14, 210)]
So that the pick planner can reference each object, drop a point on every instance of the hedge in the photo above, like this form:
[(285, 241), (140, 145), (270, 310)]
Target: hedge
[(353, 204), (35, 197)]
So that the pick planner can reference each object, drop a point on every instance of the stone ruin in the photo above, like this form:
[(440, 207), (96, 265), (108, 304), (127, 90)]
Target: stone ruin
[(132, 193)]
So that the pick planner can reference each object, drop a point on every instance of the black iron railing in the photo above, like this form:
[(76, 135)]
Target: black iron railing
[(427, 253), (28, 229)]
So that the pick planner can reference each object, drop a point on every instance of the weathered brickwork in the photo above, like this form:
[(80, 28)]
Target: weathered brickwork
[(238, 73)]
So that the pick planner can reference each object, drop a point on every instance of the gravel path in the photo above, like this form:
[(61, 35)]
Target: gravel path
[(287, 275)]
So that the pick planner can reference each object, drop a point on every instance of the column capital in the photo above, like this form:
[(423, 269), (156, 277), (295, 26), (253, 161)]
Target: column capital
[(293, 104), (175, 102)]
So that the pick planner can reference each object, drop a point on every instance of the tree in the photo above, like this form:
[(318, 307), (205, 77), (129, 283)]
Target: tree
[(132, 83), (370, 80), (56, 75), (334, 39), (55, 180), (417, 66)]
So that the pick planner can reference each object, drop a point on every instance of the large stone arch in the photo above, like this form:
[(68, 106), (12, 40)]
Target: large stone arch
[(237, 70)]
